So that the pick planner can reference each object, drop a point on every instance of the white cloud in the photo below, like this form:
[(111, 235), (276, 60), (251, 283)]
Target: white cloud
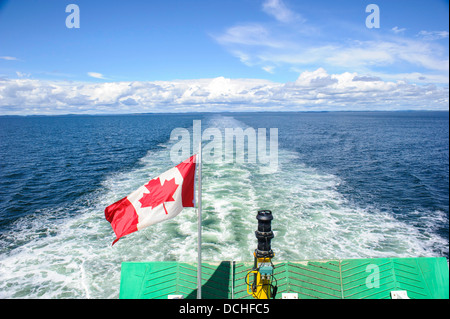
[(313, 90), (248, 35), (433, 35), (413, 77), (23, 74), (294, 46), (269, 68), (278, 9), (96, 75), (257, 46), (398, 30), (389, 52), (8, 58)]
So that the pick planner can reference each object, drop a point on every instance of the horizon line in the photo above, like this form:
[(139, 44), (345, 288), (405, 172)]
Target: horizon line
[(220, 112)]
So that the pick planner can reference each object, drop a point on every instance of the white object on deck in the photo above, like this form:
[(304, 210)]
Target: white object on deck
[(401, 294)]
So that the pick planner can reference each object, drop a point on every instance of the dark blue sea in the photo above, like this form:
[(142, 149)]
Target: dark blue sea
[(347, 185)]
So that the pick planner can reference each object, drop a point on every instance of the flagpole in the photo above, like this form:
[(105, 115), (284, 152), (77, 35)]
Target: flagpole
[(199, 225)]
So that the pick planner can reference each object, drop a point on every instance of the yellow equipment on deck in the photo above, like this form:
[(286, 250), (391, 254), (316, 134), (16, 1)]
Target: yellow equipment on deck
[(263, 269)]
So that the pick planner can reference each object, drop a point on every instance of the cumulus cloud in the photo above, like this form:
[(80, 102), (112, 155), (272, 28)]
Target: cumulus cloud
[(366, 78), (313, 90)]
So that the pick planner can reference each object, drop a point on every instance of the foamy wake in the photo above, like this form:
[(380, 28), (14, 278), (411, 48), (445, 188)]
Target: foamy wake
[(50, 255)]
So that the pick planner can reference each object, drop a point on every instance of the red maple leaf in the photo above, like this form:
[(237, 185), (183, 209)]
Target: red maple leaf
[(159, 194)]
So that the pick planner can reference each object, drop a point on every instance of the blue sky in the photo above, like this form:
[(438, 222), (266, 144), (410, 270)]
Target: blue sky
[(282, 42)]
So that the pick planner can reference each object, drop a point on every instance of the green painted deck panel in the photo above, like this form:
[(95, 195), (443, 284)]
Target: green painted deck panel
[(422, 278)]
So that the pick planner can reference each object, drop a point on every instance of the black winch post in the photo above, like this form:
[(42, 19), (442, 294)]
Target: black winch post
[(262, 287), (264, 234)]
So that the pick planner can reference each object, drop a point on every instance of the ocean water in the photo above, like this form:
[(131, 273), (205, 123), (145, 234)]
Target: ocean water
[(348, 185)]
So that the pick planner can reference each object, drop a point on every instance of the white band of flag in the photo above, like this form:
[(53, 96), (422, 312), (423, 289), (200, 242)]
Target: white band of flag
[(160, 199)]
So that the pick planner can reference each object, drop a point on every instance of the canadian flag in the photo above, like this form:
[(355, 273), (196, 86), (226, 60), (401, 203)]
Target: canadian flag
[(160, 199)]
